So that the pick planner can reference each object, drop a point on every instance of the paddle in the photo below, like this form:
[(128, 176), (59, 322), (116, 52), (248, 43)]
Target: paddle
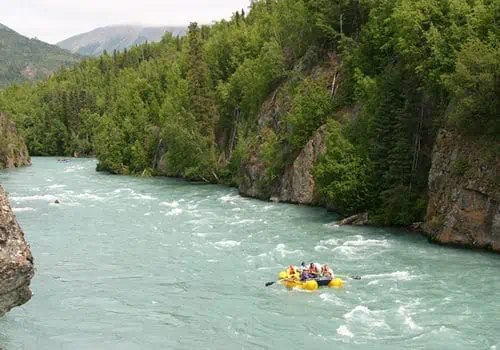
[(271, 283), (349, 277)]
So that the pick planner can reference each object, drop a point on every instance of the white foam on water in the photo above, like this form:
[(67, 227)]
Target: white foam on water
[(173, 204), (331, 299), (89, 196), (373, 282), (300, 290), (229, 198), (331, 241), (56, 186), (120, 190), (19, 210), (361, 314), (403, 311), (344, 331), (236, 209), (398, 276), (174, 212), (280, 248), (320, 248), (345, 251), (73, 168), (147, 214), (243, 221), (143, 196), (227, 244), (358, 309), (367, 242), (46, 197)]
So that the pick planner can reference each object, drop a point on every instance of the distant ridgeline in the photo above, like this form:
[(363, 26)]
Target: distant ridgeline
[(309, 101), (119, 38), (23, 59)]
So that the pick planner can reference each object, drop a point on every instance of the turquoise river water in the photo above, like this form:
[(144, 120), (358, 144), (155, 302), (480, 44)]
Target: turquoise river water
[(130, 263)]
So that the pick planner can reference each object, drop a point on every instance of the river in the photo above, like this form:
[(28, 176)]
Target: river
[(131, 263)]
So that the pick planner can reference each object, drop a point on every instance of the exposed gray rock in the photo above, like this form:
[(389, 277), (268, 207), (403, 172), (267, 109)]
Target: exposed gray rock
[(356, 220), (253, 174), (16, 261), (464, 193), (297, 184)]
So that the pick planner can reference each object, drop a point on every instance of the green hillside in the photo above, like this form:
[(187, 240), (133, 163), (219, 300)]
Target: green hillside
[(239, 101), (23, 59)]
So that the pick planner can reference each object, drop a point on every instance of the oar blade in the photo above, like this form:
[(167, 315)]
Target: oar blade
[(269, 284)]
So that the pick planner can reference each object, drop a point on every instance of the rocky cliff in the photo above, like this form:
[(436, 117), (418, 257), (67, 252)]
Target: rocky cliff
[(294, 183), (464, 192), (13, 151), (16, 261)]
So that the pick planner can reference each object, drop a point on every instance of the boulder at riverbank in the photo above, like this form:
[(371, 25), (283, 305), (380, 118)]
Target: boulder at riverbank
[(16, 261)]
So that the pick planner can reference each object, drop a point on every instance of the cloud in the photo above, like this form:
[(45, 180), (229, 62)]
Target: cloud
[(55, 20)]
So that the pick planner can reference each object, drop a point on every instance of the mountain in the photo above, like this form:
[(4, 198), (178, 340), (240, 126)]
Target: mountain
[(24, 59), (116, 37)]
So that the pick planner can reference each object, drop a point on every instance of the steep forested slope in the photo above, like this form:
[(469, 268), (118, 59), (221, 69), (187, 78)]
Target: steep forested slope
[(13, 150), (343, 99), (23, 59)]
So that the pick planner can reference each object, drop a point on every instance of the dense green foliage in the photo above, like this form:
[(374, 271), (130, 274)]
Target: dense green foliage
[(382, 75), (13, 150), (23, 59)]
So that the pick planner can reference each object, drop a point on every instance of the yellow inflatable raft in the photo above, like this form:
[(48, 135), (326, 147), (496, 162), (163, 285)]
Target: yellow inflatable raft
[(293, 281)]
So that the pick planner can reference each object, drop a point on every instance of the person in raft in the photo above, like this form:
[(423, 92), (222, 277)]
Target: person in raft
[(326, 271), (305, 275), (315, 268)]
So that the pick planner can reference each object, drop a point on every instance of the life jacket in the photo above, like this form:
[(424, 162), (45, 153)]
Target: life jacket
[(313, 268), (325, 270), (291, 270)]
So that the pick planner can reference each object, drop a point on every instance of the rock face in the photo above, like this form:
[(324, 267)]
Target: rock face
[(13, 150), (464, 192), (16, 261), (297, 184)]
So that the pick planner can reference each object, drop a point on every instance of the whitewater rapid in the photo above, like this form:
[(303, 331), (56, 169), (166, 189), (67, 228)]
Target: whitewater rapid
[(130, 263)]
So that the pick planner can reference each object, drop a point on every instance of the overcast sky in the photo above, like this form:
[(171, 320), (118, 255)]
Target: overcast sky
[(55, 20)]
